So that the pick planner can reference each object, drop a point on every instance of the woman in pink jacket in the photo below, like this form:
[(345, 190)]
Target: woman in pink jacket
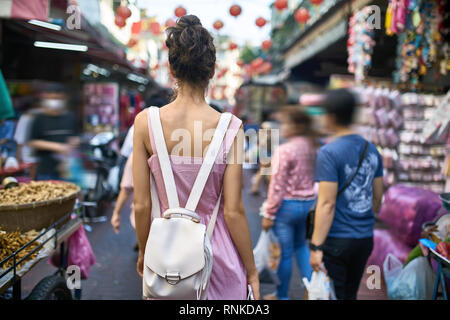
[(291, 194)]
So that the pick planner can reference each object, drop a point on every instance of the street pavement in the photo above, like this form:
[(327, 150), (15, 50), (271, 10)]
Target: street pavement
[(115, 277)]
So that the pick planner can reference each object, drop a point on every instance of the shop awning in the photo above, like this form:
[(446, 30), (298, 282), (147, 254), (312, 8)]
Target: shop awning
[(324, 32)]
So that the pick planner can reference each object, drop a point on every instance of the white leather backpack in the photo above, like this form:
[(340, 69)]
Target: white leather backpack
[(178, 255)]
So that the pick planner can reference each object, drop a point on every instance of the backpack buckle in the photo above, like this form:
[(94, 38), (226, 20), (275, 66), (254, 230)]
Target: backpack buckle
[(173, 278)]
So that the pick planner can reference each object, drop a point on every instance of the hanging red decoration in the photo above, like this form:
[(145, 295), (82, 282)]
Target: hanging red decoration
[(316, 2), (240, 63), (302, 15), (218, 25), (261, 22), (120, 22), (131, 43), (235, 10), (124, 12), (265, 68), (155, 28), (170, 23), (281, 4), (257, 63), (180, 11), (232, 46), (267, 44)]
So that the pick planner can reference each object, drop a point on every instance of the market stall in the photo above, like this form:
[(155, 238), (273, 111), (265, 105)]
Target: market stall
[(42, 220)]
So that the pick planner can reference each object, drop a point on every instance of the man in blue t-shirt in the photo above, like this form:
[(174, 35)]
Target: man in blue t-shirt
[(350, 175)]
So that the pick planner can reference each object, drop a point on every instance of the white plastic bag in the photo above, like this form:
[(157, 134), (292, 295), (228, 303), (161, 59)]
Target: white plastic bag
[(267, 251), (414, 282), (320, 287), (392, 267)]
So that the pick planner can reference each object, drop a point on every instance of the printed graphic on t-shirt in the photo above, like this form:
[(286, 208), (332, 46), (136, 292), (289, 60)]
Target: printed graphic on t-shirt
[(359, 193)]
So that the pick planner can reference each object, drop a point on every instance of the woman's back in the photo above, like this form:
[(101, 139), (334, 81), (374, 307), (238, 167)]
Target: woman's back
[(188, 126)]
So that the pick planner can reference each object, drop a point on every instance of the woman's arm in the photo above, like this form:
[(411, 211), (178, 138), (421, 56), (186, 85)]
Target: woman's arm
[(141, 180), (121, 200), (234, 213)]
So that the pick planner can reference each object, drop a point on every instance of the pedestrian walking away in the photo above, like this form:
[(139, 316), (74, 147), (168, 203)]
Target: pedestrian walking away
[(350, 175), (291, 194), (192, 60)]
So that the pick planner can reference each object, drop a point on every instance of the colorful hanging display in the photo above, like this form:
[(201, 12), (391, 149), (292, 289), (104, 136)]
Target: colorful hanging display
[(422, 28), (260, 22), (302, 15), (235, 10), (360, 43), (180, 11), (281, 4)]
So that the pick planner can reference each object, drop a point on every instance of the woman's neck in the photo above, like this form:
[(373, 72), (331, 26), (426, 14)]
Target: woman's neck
[(188, 95)]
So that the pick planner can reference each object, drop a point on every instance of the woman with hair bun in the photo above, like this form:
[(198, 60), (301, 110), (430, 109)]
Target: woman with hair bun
[(192, 58)]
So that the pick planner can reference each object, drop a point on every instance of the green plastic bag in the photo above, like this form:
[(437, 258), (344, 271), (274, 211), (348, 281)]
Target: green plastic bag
[(6, 108)]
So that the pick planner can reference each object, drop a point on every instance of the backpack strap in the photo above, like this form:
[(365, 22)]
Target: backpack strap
[(208, 162), (163, 156), (205, 170)]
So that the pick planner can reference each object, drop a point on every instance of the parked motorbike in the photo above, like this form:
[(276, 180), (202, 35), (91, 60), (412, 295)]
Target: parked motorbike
[(101, 174)]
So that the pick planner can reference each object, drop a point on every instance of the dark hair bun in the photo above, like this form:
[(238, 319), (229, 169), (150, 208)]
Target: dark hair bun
[(192, 54)]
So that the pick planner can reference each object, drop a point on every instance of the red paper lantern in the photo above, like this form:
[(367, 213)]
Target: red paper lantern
[(155, 28), (170, 23), (180, 11), (124, 12), (257, 63), (260, 22), (120, 21), (265, 68), (267, 44), (302, 15), (132, 42), (281, 4), (232, 46), (235, 10), (218, 25), (316, 2)]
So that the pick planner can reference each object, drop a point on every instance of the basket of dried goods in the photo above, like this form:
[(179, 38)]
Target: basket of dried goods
[(11, 242), (36, 205)]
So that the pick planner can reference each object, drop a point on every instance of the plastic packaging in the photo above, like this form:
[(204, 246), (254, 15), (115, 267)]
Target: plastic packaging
[(386, 243), (320, 287), (405, 209), (414, 282)]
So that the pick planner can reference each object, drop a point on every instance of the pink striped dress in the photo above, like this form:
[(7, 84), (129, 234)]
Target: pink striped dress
[(228, 279)]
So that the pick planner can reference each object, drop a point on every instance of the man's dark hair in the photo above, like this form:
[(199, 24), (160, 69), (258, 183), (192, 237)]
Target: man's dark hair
[(342, 104)]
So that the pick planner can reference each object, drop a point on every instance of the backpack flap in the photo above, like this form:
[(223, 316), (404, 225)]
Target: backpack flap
[(175, 248)]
